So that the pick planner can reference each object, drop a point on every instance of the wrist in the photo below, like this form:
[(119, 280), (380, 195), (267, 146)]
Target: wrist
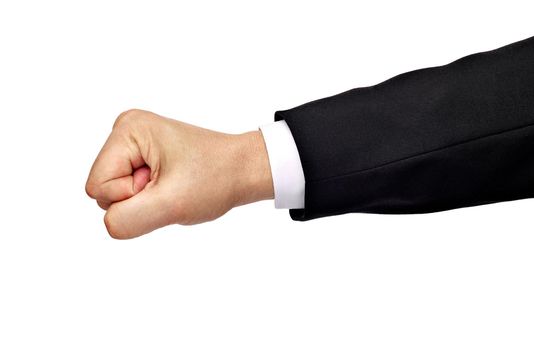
[(254, 180)]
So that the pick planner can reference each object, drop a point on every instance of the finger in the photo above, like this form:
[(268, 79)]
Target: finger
[(103, 205), (119, 156), (122, 188), (146, 211)]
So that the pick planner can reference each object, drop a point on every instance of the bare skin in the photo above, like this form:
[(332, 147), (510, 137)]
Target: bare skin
[(155, 171)]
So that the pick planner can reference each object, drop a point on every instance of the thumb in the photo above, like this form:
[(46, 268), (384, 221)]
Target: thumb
[(140, 178), (144, 212), (122, 188)]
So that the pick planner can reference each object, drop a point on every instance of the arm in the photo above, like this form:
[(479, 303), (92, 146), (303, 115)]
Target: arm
[(433, 139), (428, 140)]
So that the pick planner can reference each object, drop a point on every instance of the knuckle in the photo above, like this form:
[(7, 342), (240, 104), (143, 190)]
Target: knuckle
[(91, 189), (127, 117), (111, 226)]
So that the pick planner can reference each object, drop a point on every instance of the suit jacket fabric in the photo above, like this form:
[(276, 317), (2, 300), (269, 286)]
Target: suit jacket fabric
[(429, 140)]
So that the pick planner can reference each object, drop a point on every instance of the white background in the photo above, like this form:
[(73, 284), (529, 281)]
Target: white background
[(253, 279)]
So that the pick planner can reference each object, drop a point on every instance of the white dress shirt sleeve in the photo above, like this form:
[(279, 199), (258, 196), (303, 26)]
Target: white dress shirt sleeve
[(286, 168)]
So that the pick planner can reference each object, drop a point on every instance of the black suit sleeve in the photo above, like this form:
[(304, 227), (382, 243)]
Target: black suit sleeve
[(433, 139)]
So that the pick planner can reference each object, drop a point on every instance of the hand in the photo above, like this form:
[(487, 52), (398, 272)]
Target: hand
[(155, 171)]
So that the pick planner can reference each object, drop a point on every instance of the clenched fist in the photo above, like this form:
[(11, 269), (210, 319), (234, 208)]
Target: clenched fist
[(155, 171)]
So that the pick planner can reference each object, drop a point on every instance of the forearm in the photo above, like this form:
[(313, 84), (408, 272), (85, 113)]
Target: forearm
[(427, 140)]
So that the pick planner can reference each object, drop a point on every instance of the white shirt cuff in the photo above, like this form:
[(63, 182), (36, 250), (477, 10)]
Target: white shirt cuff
[(286, 168)]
